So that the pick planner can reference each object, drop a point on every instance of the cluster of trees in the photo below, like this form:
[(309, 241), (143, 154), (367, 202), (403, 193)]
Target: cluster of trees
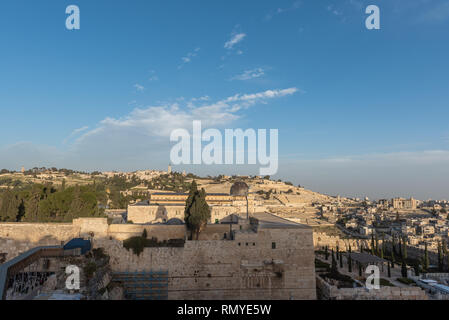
[(396, 253), (171, 182), (45, 203)]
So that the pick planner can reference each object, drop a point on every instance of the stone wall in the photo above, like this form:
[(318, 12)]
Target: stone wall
[(246, 268), (329, 292), (269, 264), (17, 238), (321, 240), (142, 214)]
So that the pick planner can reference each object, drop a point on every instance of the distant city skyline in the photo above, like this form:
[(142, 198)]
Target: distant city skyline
[(359, 112)]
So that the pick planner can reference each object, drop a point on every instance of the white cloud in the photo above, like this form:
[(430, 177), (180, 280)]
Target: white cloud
[(188, 57), (236, 38), (75, 133), (137, 140), (139, 87), (296, 5), (153, 76), (250, 74)]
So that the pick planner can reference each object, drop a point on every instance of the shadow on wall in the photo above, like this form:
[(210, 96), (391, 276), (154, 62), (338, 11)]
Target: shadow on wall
[(11, 248), (162, 214)]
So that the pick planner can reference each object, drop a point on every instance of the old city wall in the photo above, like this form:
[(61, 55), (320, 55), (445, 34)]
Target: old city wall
[(329, 292), (247, 267), (17, 238), (322, 240)]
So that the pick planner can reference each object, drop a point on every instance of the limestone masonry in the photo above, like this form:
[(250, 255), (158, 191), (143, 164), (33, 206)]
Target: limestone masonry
[(264, 258)]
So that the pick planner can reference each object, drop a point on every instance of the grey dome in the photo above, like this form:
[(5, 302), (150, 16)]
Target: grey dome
[(239, 188), (175, 222)]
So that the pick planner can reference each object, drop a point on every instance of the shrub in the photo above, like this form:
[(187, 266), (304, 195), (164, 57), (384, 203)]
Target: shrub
[(90, 269), (137, 244), (322, 265), (385, 283), (406, 281)]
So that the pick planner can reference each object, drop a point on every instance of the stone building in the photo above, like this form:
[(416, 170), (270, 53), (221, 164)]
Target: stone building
[(164, 206), (401, 203)]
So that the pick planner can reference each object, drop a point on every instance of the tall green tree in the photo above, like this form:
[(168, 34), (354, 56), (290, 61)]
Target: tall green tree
[(392, 259), (440, 257), (404, 269), (197, 211), (349, 260), (334, 269), (377, 245), (404, 247), (426, 259)]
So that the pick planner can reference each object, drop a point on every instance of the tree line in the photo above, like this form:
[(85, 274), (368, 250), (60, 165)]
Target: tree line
[(45, 203)]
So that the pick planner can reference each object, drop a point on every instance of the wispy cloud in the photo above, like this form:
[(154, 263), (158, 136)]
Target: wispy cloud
[(188, 58), (334, 11), (153, 76), (437, 13), (236, 38), (75, 132), (161, 120), (139, 87), (296, 5), (250, 74)]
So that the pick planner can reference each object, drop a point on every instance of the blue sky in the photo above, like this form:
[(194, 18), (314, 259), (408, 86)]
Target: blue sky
[(359, 112)]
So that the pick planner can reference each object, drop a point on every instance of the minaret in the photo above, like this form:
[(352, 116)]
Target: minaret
[(169, 169)]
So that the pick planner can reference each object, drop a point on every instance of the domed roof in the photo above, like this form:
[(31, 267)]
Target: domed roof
[(175, 222), (239, 188)]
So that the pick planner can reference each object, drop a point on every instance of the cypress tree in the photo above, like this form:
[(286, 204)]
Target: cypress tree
[(393, 244), (448, 260), (377, 245), (392, 259), (372, 243), (440, 257), (404, 248), (426, 258), (349, 260), (326, 253), (382, 248), (416, 267), (341, 261), (404, 269), (389, 270), (197, 211), (334, 269), (360, 270), (338, 253)]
